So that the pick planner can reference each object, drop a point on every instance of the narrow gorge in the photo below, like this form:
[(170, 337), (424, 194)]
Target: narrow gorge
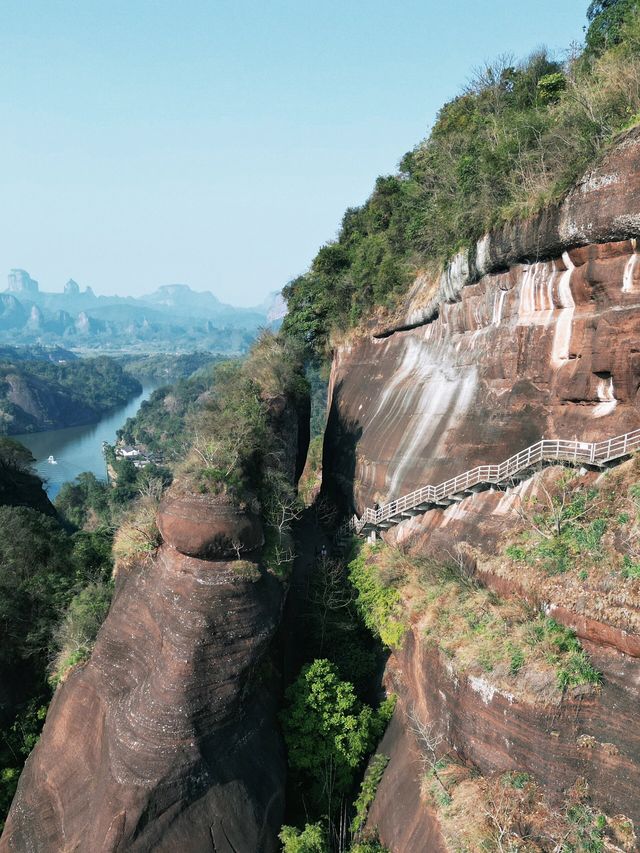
[(462, 677)]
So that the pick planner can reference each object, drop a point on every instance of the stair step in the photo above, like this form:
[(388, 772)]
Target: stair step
[(544, 452)]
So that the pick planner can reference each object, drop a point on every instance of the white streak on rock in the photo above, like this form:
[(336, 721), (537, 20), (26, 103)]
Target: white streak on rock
[(487, 691), (498, 304), (629, 270), (562, 337), (607, 397)]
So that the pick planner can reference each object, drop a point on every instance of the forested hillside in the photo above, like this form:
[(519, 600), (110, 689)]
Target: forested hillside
[(39, 394), (513, 141)]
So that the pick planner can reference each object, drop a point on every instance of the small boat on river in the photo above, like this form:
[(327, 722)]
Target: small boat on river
[(52, 461)]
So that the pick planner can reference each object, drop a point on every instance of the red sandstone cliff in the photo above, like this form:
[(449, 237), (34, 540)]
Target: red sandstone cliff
[(166, 739), (535, 332)]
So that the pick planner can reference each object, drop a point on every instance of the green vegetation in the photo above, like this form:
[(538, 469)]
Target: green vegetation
[(368, 789), (515, 140), (313, 839), (378, 601), (240, 447), (563, 527), (329, 732), (74, 637), (329, 719), (54, 591), (477, 631), (91, 385), (167, 367), (592, 532), (161, 422)]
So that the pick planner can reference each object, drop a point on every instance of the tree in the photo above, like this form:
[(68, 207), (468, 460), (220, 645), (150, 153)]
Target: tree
[(15, 456), (606, 22), (597, 7), (328, 732)]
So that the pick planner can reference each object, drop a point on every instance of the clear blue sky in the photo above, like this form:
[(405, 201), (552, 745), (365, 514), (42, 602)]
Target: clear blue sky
[(218, 142)]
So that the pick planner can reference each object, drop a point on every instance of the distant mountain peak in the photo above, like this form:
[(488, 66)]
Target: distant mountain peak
[(181, 291), (21, 282)]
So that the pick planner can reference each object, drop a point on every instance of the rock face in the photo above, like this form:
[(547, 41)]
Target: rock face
[(21, 282), (152, 744), (533, 333), (30, 404), (166, 739), (546, 349), (208, 527)]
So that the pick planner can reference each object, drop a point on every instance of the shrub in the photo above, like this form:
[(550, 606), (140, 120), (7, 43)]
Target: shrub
[(311, 839), (630, 568), (246, 571), (379, 605), (75, 635), (138, 534), (368, 790)]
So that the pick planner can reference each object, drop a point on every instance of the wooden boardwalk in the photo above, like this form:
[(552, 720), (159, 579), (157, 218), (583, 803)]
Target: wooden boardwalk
[(482, 477)]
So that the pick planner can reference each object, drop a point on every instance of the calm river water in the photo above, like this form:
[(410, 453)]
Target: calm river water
[(78, 449)]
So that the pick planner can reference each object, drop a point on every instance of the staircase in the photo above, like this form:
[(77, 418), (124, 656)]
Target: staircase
[(507, 473)]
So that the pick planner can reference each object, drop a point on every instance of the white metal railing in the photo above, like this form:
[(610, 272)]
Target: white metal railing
[(574, 452)]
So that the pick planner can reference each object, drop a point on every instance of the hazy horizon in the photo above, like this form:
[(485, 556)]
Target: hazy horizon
[(218, 145)]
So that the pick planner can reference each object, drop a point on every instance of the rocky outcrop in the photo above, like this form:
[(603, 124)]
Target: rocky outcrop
[(29, 404), (166, 739), (533, 333), (208, 526), (21, 282), (19, 487), (547, 349), (604, 207), (12, 313), (168, 751)]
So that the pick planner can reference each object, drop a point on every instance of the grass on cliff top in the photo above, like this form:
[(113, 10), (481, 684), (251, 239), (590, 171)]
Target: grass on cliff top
[(506, 643), (515, 140), (510, 812)]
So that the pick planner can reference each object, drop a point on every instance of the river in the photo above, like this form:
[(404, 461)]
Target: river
[(78, 449)]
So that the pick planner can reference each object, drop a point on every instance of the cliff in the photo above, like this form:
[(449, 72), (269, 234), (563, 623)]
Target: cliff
[(38, 395), (172, 720), (532, 333)]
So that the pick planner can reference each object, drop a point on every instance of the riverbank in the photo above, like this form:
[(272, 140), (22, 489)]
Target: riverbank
[(78, 449)]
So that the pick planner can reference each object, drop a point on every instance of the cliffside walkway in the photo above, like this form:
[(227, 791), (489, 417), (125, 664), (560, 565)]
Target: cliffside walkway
[(507, 473)]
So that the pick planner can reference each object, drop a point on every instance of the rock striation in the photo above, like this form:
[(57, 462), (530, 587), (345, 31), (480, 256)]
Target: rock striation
[(166, 739), (207, 526), (534, 332), (168, 753)]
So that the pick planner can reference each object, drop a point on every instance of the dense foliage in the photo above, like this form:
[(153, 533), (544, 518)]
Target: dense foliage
[(50, 581), (241, 438), (161, 422), (333, 714), (93, 386), (515, 139), (329, 732), (167, 367)]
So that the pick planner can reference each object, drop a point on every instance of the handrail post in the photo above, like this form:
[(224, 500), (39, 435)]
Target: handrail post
[(619, 445)]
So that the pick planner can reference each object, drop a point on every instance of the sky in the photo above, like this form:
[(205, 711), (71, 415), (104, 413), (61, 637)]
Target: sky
[(217, 143)]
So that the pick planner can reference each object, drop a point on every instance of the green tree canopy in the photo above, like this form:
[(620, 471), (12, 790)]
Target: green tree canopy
[(328, 731), (15, 456)]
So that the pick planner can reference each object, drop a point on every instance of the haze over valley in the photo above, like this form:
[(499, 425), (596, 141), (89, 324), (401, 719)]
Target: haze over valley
[(173, 318)]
